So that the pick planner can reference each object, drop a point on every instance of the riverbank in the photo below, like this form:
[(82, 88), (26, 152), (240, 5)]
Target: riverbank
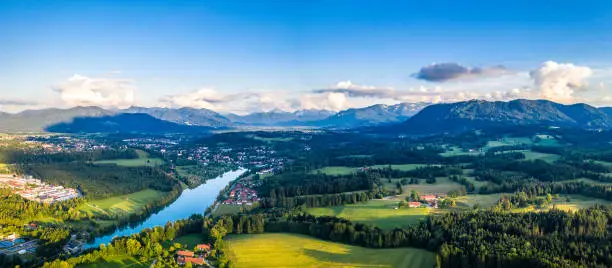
[(190, 201)]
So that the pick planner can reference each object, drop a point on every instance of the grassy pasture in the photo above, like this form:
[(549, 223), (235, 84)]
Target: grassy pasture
[(456, 151), (187, 241), (117, 262), (142, 160), (224, 209), (290, 250), (381, 213), (484, 200), (530, 155), (442, 185), (403, 167), (122, 204), (336, 170)]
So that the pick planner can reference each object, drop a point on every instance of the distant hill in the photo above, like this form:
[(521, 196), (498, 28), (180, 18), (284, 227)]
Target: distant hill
[(124, 123), (39, 120), (186, 116), (481, 114), (373, 115), (280, 118)]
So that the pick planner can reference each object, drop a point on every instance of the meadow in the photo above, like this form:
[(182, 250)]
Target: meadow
[(117, 262), (122, 204), (442, 185), (342, 170), (291, 250), (224, 209), (336, 170), (143, 159), (381, 213), (483, 200)]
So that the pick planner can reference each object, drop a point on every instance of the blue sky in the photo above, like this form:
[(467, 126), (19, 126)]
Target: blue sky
[(209, 54)]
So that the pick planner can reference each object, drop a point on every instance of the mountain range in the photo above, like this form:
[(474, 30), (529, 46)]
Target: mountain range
[(477, 114), (415, 118), (51, 119)]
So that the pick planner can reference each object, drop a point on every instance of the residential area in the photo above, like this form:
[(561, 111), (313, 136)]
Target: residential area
[(36, 190)]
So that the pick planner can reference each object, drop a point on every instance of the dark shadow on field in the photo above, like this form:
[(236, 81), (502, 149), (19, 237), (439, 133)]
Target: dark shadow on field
[(341, 259), (388, 223)]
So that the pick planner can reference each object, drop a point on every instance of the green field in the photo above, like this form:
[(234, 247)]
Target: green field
[(187, 241), (530, 155), (142, 160), (117, 262), (290, 250), (489, 200), (336, 170), (270, 140), (4, 169), (123, 204), (224, 209), (442, 185), (381, 213), (484, 200), (404, 167), (508, 141), (456, 151)]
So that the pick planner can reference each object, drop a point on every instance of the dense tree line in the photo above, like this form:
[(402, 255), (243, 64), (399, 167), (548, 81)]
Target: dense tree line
[(297, 184), (13, 155), (320, 200), (100, 181)]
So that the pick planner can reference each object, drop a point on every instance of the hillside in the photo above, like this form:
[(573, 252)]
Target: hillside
[(280, 118), (39, 120), (186, 116), (123, 123), (372, 115), (480, 114)]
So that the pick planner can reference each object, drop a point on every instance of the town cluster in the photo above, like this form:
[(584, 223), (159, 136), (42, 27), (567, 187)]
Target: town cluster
[(197, 257), (36, 190), (242, 192), (429, 200)]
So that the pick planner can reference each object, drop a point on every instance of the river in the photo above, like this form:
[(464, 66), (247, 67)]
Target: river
[(191, 201)]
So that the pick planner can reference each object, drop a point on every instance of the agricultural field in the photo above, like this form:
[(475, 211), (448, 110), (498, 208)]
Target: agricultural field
[(442, 185), (143, 160), (122, 204), (225, 209), (483, 200), (291, 250), (4, 168), (530, 155), (508, 141), (117, 262), (270, 140), (381, 213), (404, 167), (456, 151), (187, 241), (336, 170), (575, 202)]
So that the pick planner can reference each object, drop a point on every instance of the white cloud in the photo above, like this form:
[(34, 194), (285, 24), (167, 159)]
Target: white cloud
[(81, 90), (559, 81), (241, 103)]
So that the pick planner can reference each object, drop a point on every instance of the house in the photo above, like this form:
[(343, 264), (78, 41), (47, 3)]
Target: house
[(428, 197), (203, 247), (414, 204), (185, 253), (195, 261)]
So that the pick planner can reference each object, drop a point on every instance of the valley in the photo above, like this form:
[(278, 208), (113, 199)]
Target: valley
[(357, 198)]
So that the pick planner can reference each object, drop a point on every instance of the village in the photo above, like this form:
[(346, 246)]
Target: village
[(36, 190), (196, 257)]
